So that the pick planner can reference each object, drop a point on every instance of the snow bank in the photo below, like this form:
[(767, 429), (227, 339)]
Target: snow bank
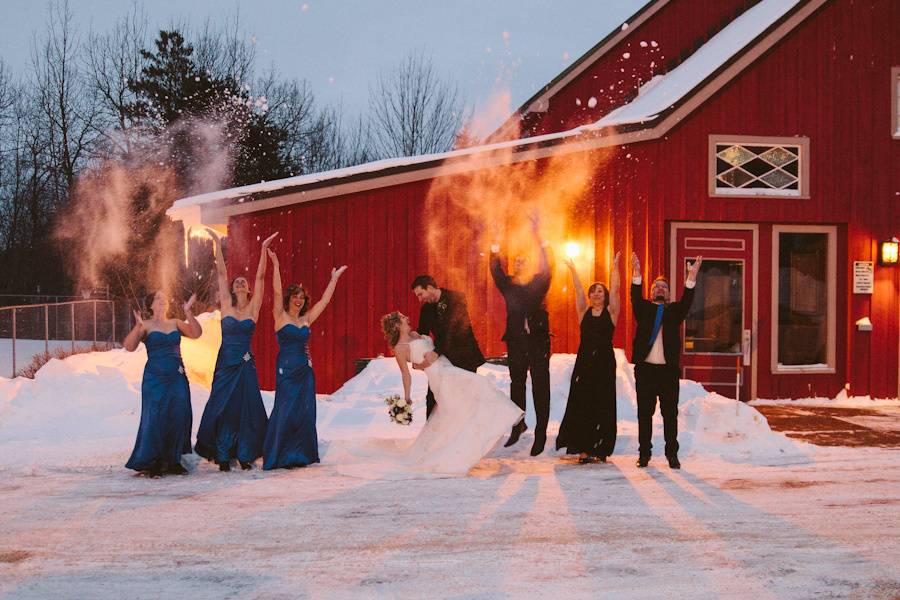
[(708, 423), (84, 411)]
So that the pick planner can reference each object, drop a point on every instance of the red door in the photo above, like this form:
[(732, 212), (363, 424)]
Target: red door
[(718, 329)]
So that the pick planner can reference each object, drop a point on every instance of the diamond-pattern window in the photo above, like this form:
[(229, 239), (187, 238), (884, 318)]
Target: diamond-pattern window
[(758, 169)]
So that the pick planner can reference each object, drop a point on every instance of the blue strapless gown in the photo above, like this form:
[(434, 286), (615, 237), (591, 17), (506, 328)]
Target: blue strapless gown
[(291, 439), (165, 430), (234, 420)]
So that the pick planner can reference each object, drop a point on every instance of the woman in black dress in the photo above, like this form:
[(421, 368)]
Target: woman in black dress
[(588, 428)]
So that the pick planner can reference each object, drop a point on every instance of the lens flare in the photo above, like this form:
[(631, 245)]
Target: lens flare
[(573, 249)]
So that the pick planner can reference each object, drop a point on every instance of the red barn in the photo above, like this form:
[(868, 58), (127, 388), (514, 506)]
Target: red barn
[(764, 136)]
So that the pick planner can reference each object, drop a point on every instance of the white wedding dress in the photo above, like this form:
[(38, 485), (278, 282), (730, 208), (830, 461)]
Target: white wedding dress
[(470, 416)]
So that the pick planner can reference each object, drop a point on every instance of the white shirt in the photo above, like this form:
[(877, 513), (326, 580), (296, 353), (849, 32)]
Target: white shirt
[(657, 355)]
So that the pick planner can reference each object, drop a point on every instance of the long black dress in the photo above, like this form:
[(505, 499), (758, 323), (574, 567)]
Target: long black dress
[(589, 424)]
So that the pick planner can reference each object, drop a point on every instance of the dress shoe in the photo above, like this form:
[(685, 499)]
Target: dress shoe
[(517, 430), (674, 463), (539, 440), (245, 465), (642, 462), (225, 466), (177, 469)]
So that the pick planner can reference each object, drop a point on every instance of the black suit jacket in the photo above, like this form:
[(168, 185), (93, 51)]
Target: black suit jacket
[(525, 300), (674, 314), (448, 320)]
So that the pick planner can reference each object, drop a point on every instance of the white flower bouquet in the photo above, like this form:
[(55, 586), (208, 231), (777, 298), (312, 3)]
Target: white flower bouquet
[(399, 409)]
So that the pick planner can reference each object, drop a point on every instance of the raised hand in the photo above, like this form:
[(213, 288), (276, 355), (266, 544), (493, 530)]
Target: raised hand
[(272, 256), (616, 260), (336, 272), (138, 318), (635, 263), (187, 305), (569, 263), (695, 268), (268, 241)]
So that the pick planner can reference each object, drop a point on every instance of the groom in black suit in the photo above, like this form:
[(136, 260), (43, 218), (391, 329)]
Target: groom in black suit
[(656, 353), (445, 316)]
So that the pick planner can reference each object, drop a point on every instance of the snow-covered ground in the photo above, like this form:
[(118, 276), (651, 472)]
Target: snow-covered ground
[(752, 513)]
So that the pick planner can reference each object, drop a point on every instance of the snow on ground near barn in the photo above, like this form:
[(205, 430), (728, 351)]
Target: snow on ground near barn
[(752, 513)]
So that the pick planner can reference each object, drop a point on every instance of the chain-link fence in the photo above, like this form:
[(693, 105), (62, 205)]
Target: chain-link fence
[(40, 329)]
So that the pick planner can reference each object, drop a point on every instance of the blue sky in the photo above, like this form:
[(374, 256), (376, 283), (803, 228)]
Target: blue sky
[(341, 45)]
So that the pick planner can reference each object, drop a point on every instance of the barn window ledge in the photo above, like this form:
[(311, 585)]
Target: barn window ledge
[(804, 369), (751, 167)]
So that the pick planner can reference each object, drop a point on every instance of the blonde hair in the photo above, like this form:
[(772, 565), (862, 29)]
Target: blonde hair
[(390, 325)]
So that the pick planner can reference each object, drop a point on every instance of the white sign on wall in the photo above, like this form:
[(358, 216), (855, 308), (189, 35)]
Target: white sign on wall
[(863, 276)]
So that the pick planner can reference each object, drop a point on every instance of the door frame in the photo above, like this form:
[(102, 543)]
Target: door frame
[(676, 273)]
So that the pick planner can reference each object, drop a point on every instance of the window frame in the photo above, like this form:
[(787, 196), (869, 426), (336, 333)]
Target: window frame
[(895, 103), (831, 290), (802, 192)]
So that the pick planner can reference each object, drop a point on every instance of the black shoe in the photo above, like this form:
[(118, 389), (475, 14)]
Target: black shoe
[(245, 465), (517, 430), (674, 463), (642, 462), (539, 440), (177, 469), (225, 466), (601, 459)]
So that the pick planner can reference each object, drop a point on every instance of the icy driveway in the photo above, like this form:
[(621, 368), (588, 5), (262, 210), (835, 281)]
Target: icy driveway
[(518, 528)]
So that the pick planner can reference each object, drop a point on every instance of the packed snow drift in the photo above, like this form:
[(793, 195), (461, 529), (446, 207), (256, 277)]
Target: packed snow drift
[(85, 410)]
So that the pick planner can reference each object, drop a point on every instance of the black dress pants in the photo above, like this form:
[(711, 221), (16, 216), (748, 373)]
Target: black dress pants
[(652, 382), (531, 352)]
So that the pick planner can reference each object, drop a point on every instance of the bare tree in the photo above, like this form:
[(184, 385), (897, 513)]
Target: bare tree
[(413, 110), (67, 108), (224, 51), (113, 60)]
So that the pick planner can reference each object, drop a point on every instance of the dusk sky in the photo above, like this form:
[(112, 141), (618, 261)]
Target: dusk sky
[(339, 46)]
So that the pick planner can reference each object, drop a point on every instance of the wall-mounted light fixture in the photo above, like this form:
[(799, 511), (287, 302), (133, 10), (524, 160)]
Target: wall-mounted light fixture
[(888, 251)]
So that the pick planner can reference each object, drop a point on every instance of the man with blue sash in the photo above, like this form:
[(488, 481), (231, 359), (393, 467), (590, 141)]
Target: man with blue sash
[(655, 353)]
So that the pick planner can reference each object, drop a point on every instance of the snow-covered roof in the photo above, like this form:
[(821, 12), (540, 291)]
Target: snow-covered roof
[(662, 92), (656, 97)]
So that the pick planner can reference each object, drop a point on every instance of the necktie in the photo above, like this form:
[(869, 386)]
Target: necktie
[(657, 324)]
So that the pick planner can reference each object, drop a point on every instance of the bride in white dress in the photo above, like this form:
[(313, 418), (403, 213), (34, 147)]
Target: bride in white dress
[(470, 416)]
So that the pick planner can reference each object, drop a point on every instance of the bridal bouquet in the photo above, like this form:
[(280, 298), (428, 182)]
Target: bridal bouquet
[(399, 409)]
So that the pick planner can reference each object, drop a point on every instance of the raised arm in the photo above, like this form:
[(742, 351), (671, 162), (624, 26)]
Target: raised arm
[(190, 327), (637, 289), (501, 279), (615, 299), (580, 300), (277, 303), (401, 352), (221, 271), (319, 306), (687, 297), (259, 286), (134, 337)]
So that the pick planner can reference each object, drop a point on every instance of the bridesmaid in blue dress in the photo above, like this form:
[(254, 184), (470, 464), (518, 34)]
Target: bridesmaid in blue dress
[(165, 430), (234, 420), (291, 439)]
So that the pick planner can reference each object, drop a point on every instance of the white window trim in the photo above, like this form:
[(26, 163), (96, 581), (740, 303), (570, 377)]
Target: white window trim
[(750, 140), (895, 103), (831, 326)]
